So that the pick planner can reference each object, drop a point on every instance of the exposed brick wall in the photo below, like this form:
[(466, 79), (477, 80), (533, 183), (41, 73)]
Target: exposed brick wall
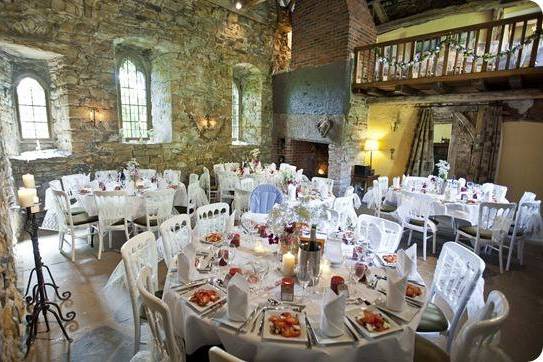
[(326, 31), (310, 156)]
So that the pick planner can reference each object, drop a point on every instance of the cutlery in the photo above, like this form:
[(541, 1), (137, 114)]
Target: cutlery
[(256, 319), (215, 308), (261, 326), (310, 329), (247, 320), (351, 330), (309, 345)]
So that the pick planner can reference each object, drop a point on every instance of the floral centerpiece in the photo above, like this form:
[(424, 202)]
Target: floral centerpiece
[(443, 168), (286, 222), (289, 177), (133, 169)]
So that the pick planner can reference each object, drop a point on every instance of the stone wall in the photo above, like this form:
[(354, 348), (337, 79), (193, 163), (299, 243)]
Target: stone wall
[(197, 42)]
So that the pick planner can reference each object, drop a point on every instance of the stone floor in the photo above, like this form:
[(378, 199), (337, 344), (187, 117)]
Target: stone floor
[(103, 329)]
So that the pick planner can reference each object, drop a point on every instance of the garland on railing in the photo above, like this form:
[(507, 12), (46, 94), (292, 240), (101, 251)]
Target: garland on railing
[(454, 43)]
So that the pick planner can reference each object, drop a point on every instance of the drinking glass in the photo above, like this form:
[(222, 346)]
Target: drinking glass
[(304, 279)]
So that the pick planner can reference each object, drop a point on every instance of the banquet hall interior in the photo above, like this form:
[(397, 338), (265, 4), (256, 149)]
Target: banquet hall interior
[(271, 180)]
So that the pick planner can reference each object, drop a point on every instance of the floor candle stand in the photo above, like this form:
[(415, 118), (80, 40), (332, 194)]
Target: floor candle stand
[(38, 301)]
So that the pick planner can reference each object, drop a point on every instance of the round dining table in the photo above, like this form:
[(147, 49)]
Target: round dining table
[(196, 330)]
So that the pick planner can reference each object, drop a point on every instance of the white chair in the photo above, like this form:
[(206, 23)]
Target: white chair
[(483, 230), (139, 252), (216, 354), (72, 184), (158, 207), (527, 196), (459, 214), (457, 272), (383, 183), (228, 183), (172, 177), (213, 217), (384, 235), (69, 223), (231, 166), (347, 215), (414, 212), (349, 192), (193, 178), (164, 344), (176, 233), (113, 215), (496, 192), (323, 183), (478, 338), (106, 175), (219, 167), (414, 183), (147, 174), (286, 166), (526, 213), (205, 182)]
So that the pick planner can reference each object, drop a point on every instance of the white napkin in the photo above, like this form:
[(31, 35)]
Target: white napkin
[(396, 182), (332, 314), (291, 192), (185, 264), (407, 262), (237, 298), (396, 290), (462, 182)]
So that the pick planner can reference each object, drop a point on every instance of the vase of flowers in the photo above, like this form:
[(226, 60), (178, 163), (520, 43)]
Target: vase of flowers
[(133, 169), (443, 168)]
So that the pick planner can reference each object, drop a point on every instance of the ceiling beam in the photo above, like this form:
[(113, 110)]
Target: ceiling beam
[(379, 11), (472, 6), (464, 98), (405, 90)]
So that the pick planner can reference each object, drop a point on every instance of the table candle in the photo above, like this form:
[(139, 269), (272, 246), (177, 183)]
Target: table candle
[(288, 264), (26, 196), (28, 181), (287, 289), (259, 249)]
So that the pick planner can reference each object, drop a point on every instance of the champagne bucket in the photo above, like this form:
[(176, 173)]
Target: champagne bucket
[(309, 260)]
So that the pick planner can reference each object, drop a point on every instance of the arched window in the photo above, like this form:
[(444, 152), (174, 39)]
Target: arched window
[(134, 100), (236, 110), (32, 109)]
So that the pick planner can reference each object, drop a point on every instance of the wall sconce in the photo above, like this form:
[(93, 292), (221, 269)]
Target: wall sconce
[(394, 125), (94, 116), (238, 5), (392, 150), (206, 123), (370, 146)]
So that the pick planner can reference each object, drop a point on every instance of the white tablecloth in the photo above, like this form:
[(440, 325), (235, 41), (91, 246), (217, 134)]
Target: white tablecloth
[(204, 331)]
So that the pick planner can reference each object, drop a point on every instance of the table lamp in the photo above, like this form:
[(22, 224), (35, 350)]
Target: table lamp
[(371, 145)]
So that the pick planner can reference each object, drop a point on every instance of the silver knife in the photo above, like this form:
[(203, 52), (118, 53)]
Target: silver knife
[(350, 329), (247, 320), (309, 345)]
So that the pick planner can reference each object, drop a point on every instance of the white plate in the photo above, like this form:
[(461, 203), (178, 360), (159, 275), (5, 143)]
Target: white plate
[(384, 262), (421, 299), (353, 313), (196, 307), (222, 318), (266, 334), (324, 340)]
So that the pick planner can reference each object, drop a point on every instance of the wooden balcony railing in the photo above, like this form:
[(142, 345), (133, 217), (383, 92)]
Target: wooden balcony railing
[(490, 49)]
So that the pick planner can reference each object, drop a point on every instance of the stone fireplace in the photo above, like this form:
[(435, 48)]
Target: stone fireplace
[(317, 89)]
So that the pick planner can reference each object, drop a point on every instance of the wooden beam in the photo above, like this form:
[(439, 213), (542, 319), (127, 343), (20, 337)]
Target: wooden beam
[(405, 90), (478, 85), (464, 98), (376, 92), (441, 88), (472, 6), (515, 82), (379, 11)]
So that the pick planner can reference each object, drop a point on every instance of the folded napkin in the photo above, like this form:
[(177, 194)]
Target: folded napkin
[(407, 262), (396, 182), (396, 290), (185, 264), (332, 314), (462, 182), (237, 298)]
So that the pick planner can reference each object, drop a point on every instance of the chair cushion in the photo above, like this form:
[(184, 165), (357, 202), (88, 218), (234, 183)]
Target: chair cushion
[(519, 231), (420, 223), (427, 351), (181, 209), (433, 320), (77, 210), (142, 221), (83, 218), (472, 230), (388, 208)]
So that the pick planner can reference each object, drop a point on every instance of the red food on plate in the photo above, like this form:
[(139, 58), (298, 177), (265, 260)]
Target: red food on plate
[(235, 241), (390, 258), (413, 291), (285, 324), (203, 297), (214, 237), (372, 321)]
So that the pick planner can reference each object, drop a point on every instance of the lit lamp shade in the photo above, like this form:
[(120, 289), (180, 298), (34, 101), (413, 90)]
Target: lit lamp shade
[(371, 145)]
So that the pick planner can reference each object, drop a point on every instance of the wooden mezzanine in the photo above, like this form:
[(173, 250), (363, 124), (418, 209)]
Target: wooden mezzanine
[(498, 56)]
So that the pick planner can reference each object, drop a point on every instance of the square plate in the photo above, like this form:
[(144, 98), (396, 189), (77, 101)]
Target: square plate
[(382, 285), (406, 314), (222, 318), (353, 313), (186, 297), (381, 257), (267, 335), (204, 241), (324, 340)]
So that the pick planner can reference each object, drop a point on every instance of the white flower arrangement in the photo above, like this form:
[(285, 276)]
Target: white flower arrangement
[(133, 167), (443, 168)]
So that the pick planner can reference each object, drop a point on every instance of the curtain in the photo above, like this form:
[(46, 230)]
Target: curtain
[(421, 157), (484, 155)]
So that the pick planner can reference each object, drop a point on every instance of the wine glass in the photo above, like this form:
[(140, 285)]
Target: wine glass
[(304, 279)]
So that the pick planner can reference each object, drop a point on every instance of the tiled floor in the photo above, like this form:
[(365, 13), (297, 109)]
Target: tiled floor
[(103, 327)]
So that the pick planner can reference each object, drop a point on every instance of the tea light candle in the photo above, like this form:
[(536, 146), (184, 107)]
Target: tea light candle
[(288, 264), (28, 181), (26, 196), (259, 249)]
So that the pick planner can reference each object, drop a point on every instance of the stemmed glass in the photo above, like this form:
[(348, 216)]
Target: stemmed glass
[(304, 279)]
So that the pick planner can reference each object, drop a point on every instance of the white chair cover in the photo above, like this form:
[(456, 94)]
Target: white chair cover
[(146, 174), (213, 217), (386, 240), (176, 233), (349, 191), (72, 184), (347, 215), (106, 175), (172, 177)]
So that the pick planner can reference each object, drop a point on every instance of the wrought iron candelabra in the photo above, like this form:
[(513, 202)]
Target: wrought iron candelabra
[(38, 302)]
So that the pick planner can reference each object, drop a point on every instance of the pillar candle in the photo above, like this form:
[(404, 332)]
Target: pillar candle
[(28, 181), (288, 264), (26, 196)]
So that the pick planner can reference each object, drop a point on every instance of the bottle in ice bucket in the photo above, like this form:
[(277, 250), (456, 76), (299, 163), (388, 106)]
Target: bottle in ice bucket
[(310, 256)]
